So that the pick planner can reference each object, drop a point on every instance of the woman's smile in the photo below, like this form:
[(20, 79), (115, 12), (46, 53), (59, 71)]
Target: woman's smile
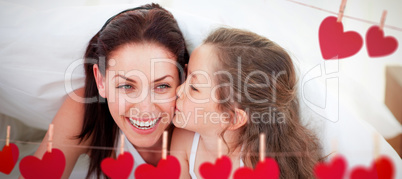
[(143, 126), (143, 123)]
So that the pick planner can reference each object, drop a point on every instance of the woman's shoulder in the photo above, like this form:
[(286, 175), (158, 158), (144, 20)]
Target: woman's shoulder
[(75, 97), (70, 118), (72, 108), (71, 113), (67, 127)]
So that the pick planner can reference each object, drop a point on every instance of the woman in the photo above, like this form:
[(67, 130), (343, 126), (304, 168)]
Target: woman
[(131, 65)]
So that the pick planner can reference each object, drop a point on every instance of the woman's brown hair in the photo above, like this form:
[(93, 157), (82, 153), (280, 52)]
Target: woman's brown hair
[(145, 24), (263, 84)]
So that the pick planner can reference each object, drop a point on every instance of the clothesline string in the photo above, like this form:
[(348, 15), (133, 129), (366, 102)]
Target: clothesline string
[(268, 154), (55, 144), (350, 17)]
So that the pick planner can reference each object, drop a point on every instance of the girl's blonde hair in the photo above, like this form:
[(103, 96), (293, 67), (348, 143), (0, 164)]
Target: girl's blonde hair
[(262, 82)]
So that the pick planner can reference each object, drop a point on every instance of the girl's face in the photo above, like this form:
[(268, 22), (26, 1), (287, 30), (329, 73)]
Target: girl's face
[(197, 103), (140, 85)]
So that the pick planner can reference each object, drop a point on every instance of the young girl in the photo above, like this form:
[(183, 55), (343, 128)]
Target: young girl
[(240, 85)]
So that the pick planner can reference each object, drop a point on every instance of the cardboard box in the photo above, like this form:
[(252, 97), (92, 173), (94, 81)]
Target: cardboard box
[(393, 100)]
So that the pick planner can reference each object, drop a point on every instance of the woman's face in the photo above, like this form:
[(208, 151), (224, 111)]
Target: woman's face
[(197, 103), (140, 84)]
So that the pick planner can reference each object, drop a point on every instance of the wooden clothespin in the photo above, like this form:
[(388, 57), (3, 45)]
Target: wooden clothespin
[(219, 147), (341, 11), (121, 144), (376, 139), (8, 136), (334, 146), (164, 145), (384, 15), (262, 147), (50, 139)]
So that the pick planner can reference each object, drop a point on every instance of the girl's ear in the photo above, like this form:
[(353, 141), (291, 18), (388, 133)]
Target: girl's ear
[(100, 81), (240, 119)]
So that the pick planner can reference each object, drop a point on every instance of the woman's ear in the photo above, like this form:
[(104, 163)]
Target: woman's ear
[(240, 119), (100, 81)]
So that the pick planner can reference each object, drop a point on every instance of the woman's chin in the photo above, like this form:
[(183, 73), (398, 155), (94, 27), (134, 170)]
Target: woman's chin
[(146, 143)]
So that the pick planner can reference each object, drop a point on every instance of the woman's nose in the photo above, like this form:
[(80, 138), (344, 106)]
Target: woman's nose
[(146, 105)]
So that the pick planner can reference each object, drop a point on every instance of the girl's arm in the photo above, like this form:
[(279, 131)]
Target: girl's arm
[(67, 125), (180, 148)]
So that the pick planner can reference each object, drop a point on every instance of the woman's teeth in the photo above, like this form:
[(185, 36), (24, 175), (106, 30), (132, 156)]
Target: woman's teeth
[(143, 125)]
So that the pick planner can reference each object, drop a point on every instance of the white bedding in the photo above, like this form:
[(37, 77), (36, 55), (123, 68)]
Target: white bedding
[(40, 43)]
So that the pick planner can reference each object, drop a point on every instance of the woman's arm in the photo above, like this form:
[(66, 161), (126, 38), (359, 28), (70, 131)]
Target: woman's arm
[(180, 148), (67, 125)]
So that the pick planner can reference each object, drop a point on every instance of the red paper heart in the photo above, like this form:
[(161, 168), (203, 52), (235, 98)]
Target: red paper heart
[(221, 169), (120, 168), (169, 168), (267, 169), (51, 166), (377, 44), (336, 44), (382, 168), (385, 168), (333, 170), (8, 157)]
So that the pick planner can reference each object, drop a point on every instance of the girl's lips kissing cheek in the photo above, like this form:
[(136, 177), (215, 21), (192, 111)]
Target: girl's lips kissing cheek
[(176, 110)]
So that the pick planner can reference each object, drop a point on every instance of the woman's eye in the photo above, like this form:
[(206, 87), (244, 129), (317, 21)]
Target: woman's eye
[(125, 87), (162, 88), (193, 88)]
